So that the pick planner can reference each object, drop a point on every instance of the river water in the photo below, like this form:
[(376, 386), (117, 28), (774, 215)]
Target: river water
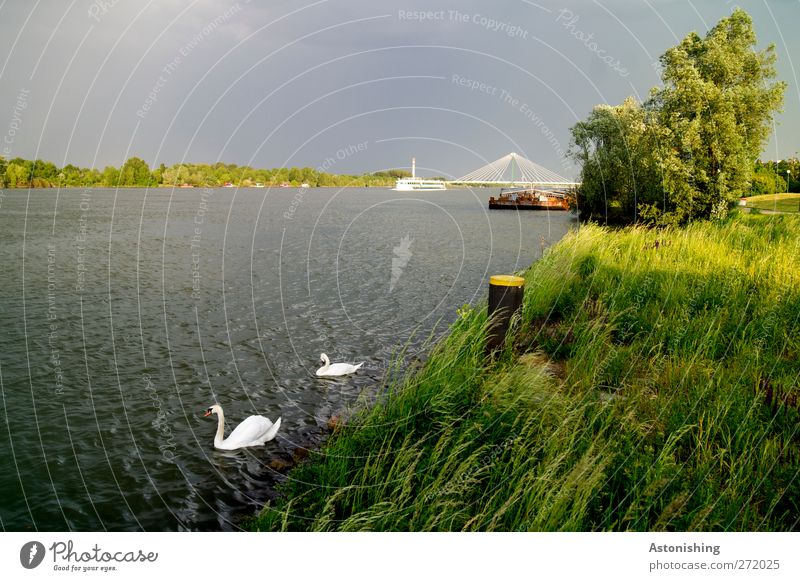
[(124, 315)]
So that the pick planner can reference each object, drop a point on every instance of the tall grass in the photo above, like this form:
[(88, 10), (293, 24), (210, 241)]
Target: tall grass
[(651, 384)]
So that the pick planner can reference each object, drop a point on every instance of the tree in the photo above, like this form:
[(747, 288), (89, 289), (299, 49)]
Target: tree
[(705, 129), (18, 173), (617, 148), (158, 174), (792, 166), (44, 173), (2, 172), (765, 180), (92, 177), (73, 176), (135, 172), (17, 176), (110, 178), (718, 103), (177, 175)]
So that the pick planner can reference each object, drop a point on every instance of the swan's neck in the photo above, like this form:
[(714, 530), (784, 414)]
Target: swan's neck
[(220, 429), (326, 363)]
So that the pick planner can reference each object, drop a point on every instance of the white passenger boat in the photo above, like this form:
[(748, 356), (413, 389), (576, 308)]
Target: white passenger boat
[(415, 184)]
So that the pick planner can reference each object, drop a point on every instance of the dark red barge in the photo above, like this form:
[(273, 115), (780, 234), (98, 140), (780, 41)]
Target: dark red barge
[(528, 199)]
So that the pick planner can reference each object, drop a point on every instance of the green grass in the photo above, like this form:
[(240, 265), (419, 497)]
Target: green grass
[(652, 384), (779, 202)]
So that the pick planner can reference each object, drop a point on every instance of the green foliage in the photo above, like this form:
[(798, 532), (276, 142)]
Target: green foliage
[(393, 174), (771, 177), (617, 147), (18, 173), (110, 177), (219, 174), (766, 182), (675, 405), (688, 152), (135, 172), (44, 172)]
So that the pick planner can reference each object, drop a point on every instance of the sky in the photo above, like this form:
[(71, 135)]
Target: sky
[(348, 86)]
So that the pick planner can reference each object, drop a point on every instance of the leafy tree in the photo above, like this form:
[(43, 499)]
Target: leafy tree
[(17, 176), (765, 180), (92, 177), (792, 165), (135, 172), (110, 178), (18, 173), (3, 166), (718, 103), (394, 173), (223, 176), (703, 131), (44, 172), (73, 176), (177, 175), (617, 148)]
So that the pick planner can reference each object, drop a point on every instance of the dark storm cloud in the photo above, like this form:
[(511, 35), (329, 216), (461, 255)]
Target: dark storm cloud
[(287, 83)]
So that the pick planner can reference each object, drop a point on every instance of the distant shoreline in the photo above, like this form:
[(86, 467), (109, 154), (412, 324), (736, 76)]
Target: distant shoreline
[(22, 173), (163, 187)]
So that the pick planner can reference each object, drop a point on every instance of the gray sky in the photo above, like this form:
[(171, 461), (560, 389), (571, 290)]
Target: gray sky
[(347, 85)]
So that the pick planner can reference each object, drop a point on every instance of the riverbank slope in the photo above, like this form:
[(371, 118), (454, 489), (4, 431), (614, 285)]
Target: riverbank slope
[(652, 385)]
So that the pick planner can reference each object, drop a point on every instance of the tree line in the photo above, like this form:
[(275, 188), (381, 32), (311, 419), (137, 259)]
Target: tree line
[(776, 177), (135, 172), (691, 149)]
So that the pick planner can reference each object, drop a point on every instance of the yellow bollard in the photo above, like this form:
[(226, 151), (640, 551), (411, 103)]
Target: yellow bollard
[(505, 299)]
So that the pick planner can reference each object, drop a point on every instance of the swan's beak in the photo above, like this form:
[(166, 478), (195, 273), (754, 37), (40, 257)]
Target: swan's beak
[(208, 413)]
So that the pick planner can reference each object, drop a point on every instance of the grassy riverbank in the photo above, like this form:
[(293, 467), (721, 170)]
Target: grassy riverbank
[(775, 202), (653, 385)]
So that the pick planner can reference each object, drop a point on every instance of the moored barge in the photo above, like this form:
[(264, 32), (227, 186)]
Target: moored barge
[(528, 199)]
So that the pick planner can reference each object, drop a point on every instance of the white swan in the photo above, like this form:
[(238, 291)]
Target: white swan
[(335, 369), (253, 431)]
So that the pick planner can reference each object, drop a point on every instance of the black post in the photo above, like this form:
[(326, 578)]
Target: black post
[(505, 299)]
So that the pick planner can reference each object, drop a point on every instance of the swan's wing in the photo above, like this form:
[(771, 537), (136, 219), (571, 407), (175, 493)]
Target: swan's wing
[(337, 369), (250, 431), (342, 369), (271, 433)]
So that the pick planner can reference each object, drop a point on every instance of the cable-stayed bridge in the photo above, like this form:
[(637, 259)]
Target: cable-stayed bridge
[(514, 170)]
